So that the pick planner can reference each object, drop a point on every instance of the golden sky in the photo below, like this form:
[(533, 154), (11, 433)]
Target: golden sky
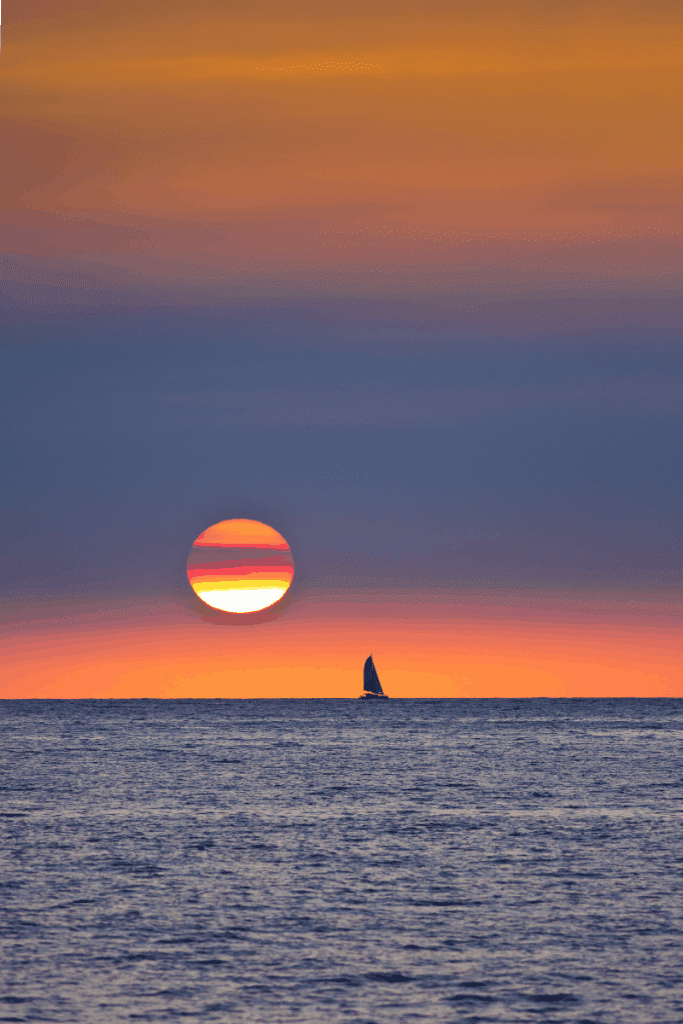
[(517, 122)]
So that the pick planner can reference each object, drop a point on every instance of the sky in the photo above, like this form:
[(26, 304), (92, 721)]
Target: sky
[(401, 281)]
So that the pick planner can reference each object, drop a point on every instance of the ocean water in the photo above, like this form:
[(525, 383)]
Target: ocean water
[(332, 861)]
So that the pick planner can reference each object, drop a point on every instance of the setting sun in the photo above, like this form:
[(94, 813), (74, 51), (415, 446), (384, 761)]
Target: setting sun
[(240, 566)]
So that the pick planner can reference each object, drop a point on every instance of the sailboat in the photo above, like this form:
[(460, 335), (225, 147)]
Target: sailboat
[(371, 684)]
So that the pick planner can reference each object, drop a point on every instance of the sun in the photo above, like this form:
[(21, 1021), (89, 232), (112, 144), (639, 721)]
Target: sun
[(240, 566)]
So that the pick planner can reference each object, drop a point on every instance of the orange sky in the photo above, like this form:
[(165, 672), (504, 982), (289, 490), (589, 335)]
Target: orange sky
[(311, 149), (425, 644)]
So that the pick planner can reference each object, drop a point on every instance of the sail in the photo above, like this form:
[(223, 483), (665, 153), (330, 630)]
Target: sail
[(371, 681)]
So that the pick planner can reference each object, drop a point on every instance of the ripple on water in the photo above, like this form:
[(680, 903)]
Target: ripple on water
[(507, 861)]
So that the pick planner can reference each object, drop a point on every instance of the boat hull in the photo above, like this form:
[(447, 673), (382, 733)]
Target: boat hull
[(373, 696)]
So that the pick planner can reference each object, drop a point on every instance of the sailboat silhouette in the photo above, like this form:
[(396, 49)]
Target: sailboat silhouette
[(371, 683)]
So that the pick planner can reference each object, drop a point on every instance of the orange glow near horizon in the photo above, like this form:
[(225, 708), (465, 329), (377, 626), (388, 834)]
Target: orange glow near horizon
[(448, 644), (240, 566)]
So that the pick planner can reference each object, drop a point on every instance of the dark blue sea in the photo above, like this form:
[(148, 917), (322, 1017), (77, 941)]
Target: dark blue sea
[(342, 860)]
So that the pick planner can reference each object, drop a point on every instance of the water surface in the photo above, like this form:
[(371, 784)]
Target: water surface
[(330, 860)]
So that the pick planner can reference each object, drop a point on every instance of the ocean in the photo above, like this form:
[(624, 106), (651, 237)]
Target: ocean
[(342, 860)]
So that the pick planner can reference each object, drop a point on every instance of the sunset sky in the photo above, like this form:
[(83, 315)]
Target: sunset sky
[(402, 281)]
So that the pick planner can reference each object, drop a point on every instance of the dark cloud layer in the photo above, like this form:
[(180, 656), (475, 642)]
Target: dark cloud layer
[(492, 464)]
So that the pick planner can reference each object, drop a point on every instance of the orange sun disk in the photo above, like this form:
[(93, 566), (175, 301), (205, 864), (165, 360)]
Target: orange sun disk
[(240, 566)]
